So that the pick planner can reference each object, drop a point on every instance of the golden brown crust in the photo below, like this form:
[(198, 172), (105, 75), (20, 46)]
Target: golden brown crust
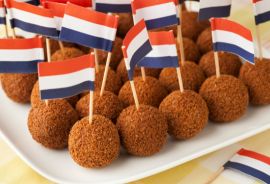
[(94, 145), (257, 79), (191, 50), (124, 24), (18, 86), (187, 113), (229, 64), (192, 76), (204, 41), (149, 92), (69, 52), (226, 97), (143, 132), (50, 124)]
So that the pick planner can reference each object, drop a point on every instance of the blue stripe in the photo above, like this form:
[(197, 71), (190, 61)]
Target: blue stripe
[(159, 62), (248, 170), (220, 11), (221, 46), (18, 66), (137, 56), (33, 28), (161, 22), (114, 8), (33, 2), (2, 20), (70, 35), (68, 91), (261, 18)]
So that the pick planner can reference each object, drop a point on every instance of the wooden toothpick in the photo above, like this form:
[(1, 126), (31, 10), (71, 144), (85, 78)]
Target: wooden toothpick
[(133, 89), (180, 38), (96, 60), (107, 66), (143, 73), (180, 80), (48, 50), (217, 64), (91, 106), (215, 176), (62, 48)]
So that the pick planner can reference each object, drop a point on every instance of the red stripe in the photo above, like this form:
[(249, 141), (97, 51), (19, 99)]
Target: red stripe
[(138, 4), (21, 43), (227, 25), (57, 9), (84, 3), (162, 38), (29, 8), (2, 4), (92, 16), (66, 66), (254, 155), (255, 1), (133, 32)]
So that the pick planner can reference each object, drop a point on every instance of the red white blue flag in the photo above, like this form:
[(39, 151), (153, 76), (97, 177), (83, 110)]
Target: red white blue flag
[(262, 11), (136, 45), (214, 8), (31, 18), (251, 163), (58, 11), (66, 78), (232, 37), (156, 13), (88, 27), (164, 51), (2, 13), (20, 55), (114, 6)]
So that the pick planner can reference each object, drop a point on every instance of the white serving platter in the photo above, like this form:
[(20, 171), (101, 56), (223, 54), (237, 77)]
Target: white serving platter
[(60, 168)]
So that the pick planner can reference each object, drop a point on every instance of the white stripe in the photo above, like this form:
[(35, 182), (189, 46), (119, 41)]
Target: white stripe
[(58, 21), (114, 1), (262, 7), (21, 54), (135, 44), (248, 161), (232, 38), (66, 80), (89, 28), (162, 51), (214, 3), (155, 12), (2, 12), (32, 18)]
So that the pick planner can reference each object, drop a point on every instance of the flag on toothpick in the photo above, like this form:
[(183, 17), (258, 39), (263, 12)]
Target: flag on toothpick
[(214, 8), (262, 11), (136, 45), (2, 13), (88, 27), (58, 11), (232, 37), (20, 55), (164, 51), (157, 14), (113, 6), (251, 163), (83, 3), (66, 78), (31, 18)]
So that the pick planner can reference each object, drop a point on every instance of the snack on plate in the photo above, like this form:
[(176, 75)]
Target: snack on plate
[(143, 132), (226, 98)]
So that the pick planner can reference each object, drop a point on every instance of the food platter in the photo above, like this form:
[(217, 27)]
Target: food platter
[(60, 168)]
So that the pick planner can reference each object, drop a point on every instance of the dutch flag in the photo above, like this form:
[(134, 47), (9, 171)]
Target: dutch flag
[(164, 51), (262, 11), (2, 13), (214, 8), (66, 78), (31, 18), (88, 27), (58, 11), (251, 163), (20, 55), (232, 37), (136, 45), (156, 14), (114, 6)]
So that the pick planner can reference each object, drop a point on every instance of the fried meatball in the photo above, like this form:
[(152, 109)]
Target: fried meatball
[(124, 24), (204, 41)]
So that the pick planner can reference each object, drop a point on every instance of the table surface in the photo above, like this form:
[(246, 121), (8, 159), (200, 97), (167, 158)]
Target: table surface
[(14, 170)]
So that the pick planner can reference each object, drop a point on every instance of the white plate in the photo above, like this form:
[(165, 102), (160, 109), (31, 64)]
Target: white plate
[(59, 167)]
